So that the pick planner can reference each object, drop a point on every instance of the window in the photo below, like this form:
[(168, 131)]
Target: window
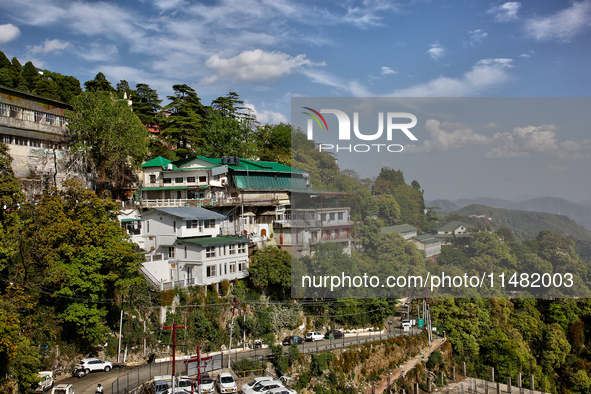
[(178, 180), (210, 223), (241, 266), (340, 216), (147, 226), (202, 179), (226, 269), (232, 249), (332, 216), (190, 179), (7, 139), (186, 254), (152, 178), (242, 248), (232, 267), (210, 251), (167, 180), (216, 178), (171, 252), (192, 223), (210, 271), (174, 226)]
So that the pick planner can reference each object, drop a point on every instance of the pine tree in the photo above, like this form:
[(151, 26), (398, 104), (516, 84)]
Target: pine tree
[(99, 84), (4, 62), (31, 76), (184, 126), (146, 104), (16, 72)]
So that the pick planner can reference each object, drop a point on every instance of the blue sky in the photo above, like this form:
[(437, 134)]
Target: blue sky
[(271, 51)]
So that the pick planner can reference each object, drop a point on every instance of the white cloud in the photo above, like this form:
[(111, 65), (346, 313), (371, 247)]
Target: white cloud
[(256, 65), (486, 74), (563, 25), (267, 116), (99, 53), (490, 125), (387, 70), (505, 12), (524, 55), (523, 141), (353, 88), (447, 136), (49, 46), (476, 36), (8, 32), (436, 51)]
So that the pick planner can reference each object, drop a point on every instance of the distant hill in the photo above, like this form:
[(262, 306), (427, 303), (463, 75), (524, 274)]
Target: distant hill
[(586, 203), (524, 224), (445, 205), (578, 212)]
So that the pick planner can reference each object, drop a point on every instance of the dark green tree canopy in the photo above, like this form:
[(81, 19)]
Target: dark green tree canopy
[(99, 84)]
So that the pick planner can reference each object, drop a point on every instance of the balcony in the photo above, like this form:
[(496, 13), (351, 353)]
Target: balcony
[(328, 238)]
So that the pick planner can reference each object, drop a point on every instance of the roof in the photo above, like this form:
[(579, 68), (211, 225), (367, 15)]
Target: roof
[(208, 241), (397, 229), (188, 213), (451, 226), (427, 238), (157, 162), (130, 220), (268, 181), (251, 165)]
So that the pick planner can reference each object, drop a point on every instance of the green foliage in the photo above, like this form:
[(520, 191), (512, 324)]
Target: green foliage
[(246, 364), (146, 104), (183, 129), (30, 75), (226, 136), (435, 360), (99, 84), (270, 271), (320, 362), (109, 136)]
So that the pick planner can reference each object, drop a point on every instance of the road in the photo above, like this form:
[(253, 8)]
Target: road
[(134, 376)]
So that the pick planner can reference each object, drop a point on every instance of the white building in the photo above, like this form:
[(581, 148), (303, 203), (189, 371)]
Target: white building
[(184, 248)]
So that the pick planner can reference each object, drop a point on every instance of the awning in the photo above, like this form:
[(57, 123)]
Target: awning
[(149, 189), (129, 220)]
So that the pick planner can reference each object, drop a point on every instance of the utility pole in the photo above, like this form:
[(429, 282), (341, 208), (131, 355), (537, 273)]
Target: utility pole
[(120, 324), (234, 306), (174, 327)]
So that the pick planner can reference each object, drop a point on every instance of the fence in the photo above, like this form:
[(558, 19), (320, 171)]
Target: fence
[(129, 382)]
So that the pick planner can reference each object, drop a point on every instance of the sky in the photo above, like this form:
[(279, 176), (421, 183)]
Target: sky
[(271, 51)]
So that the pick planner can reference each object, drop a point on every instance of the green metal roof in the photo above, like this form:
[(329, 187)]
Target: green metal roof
[(129, 220), (158, 188), (264, 181), (251, 165), (209, 241), (157, 162), (397, 229), (427, 238), (451, 226)]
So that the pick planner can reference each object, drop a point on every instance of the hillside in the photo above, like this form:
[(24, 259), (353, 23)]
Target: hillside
[(524, 224), (444, 205)]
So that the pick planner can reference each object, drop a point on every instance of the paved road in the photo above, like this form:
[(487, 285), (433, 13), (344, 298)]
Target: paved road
[(134, 376)]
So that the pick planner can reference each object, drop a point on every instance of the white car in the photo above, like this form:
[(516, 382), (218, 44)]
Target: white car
[(63, 389), (207, 384), (226, 383), (281, 390), (94, 364), (405, 324), (46, 382), (263, 386), (256, 380), (314, 336)]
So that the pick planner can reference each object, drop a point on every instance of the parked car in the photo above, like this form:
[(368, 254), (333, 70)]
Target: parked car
[(292, 338), (281, 390), (263, 386), (314, 336), (207, 384), (161, 386), (405, 323), (336, 334), (226, 383), (63, 389), (184, 381), (94, 364), (256, 380), (46, 382)]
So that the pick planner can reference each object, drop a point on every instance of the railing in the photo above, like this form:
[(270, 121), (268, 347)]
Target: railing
[(30, 115), (155, 282), (181, 202), (156, 257)]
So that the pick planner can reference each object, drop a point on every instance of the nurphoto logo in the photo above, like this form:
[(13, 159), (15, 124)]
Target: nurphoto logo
[(344, 131)]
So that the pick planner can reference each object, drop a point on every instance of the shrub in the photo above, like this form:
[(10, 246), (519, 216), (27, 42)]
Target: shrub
[(247, 364)]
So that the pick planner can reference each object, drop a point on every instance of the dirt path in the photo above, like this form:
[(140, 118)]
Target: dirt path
[(407, 366)]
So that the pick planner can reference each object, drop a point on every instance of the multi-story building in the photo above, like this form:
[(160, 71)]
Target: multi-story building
[(33, 128), (184, 248), (315, 217)]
